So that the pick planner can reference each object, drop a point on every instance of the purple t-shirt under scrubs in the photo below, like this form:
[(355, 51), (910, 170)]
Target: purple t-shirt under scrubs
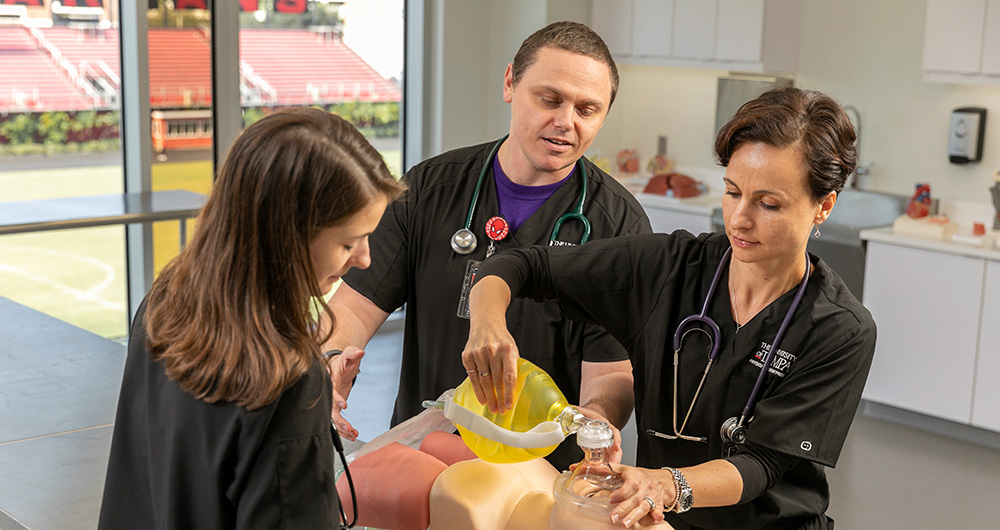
[(518, 202)]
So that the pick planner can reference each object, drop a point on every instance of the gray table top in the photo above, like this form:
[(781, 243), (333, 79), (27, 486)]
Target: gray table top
[(59, 388), (98, 210)]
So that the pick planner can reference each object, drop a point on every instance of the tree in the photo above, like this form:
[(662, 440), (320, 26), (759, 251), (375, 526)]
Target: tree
[(20, 129)]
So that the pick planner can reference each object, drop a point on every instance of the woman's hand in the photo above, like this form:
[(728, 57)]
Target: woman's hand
[(490, 359), (644, 493), (490, 355), (343, 369)]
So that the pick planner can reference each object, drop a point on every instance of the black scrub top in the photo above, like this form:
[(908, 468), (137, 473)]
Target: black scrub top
[(180, 463), (641, 287), (412, 262)]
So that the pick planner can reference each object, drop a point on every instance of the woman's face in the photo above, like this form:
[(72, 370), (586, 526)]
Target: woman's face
[(336, 249), (768, 208)]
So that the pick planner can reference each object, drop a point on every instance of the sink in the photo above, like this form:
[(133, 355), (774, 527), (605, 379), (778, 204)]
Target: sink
[(840, 243), (866, 209), (855, 211)]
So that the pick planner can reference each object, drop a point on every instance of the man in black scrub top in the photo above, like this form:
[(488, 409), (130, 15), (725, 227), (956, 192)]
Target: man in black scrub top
[(560, 86), (787, 155)]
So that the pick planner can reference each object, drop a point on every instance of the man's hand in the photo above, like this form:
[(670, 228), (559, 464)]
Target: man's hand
[(343, 369)]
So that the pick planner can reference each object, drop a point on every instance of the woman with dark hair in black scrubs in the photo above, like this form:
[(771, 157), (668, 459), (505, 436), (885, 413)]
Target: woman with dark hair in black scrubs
[(723, 444)]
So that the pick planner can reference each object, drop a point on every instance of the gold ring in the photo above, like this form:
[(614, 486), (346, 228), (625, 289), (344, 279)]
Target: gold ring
[(652, 505), (484, 373)]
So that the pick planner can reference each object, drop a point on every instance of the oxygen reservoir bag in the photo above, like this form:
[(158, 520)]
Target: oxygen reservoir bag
[(539, 420)]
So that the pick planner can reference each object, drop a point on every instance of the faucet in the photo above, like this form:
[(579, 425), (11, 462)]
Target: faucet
[(859, 170)]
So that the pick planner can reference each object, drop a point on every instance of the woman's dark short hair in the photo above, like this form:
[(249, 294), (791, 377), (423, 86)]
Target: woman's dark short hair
[(791, 116), (572, 37)]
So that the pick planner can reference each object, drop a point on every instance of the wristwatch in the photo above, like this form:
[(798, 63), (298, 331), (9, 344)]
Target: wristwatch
[(684, 495)]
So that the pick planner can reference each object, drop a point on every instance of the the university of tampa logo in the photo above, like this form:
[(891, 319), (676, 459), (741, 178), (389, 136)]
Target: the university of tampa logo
[(781, 363)]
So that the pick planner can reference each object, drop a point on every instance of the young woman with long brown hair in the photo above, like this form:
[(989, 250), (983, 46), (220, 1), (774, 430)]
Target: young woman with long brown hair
[(224, 414)]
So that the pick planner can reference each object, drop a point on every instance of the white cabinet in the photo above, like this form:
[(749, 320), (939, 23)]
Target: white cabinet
[(962, 41), (991, 39), (694, 29), (953, 38), (937, 307), (612, 20), (740, 30), (926, 306), (667, 214), (986, 404), (652, 28), (743, 35)]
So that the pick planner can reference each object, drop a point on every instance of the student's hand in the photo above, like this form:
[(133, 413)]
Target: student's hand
[(343, 369), (490, 359)]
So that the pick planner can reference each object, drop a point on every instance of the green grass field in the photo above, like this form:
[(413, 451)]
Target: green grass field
[(79, 275)]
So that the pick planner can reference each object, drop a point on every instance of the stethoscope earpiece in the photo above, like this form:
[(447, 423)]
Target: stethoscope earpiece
[(464, 241)]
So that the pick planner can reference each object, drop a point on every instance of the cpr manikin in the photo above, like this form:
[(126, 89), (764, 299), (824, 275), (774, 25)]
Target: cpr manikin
[(408, 489), (445, 486)]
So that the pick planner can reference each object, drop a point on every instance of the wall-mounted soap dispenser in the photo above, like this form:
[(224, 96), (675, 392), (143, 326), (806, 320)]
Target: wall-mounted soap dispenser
[(965, 137)]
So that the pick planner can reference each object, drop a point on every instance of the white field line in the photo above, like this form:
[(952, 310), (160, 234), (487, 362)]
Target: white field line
[(90, 295)]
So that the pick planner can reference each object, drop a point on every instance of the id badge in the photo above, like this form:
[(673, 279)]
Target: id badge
[(470, 276)]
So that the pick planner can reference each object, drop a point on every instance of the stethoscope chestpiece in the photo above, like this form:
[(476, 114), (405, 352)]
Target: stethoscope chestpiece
[(464, 241), (733, 433)]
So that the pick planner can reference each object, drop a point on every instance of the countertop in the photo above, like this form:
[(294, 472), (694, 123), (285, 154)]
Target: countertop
[(59, 390), (702, 204), (885, 235)]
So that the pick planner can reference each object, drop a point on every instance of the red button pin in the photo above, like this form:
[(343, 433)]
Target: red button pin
[(497, 228)]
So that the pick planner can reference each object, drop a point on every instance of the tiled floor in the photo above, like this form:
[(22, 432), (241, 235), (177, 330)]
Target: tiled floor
[(890, 476)]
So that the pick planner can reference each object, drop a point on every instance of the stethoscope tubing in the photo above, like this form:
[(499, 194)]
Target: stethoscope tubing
[(799, 294), (703, 318), (479, 183), (576, 214)]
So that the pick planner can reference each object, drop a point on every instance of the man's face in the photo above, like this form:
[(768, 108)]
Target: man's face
[(557, 107)]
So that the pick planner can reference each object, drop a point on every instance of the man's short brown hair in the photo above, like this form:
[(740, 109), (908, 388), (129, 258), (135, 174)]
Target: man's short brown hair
[(572, 37)]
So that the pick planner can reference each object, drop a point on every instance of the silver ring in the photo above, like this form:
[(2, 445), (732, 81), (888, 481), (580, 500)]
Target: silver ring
[(484, 373), (470, 371), (652, 505)]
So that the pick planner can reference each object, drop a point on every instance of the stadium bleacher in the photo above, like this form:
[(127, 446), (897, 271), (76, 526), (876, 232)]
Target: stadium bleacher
[(31, 81), (180, 68), (305, 67), (300, 66)]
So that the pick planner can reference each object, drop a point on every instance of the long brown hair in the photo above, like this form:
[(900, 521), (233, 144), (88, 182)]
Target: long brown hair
[(229, 317), (787, 116)]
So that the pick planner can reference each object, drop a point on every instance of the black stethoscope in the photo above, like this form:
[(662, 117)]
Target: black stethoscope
[(464, 241), (733, 431)]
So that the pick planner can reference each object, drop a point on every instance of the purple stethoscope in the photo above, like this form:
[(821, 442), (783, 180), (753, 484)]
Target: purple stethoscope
[(734, 430)]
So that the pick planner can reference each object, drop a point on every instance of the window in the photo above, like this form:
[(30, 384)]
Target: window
[(59, 137), (345, 56), (60, 121)]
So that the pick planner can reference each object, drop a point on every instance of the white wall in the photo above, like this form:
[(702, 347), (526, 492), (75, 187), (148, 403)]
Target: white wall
[(470, 43), (864, 53)]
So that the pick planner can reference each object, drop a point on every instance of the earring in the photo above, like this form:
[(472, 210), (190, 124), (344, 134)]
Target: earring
[(816, 233)]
